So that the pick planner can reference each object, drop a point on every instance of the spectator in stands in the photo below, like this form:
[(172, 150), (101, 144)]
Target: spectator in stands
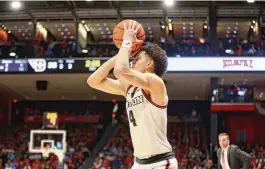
[(239, 50), (252, 51), (209, 165)]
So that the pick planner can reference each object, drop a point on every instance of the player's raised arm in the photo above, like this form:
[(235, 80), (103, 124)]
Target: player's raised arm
[(100, 80), (146, 66)]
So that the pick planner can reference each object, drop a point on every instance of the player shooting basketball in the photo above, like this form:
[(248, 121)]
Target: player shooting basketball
[(146, 98)]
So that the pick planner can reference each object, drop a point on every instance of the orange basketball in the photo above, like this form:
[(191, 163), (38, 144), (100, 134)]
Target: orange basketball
[(118, 35)]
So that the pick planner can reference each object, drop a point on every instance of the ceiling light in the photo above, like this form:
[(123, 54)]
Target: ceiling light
[(250, 1), (9, 31), (170, 26), (205, 26), (12, 54), (83, 21), (169, 2), (163, 27), (169, 20), (15, 4), (84, 51)]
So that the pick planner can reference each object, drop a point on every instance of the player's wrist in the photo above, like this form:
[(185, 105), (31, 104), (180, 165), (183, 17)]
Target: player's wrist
[(127, 44)]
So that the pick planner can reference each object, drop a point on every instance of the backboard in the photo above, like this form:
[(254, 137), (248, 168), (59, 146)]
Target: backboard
[(54, 140)]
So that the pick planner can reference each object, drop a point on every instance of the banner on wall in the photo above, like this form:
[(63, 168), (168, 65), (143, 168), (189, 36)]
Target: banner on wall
[(174, 119), (232, 107), (211, 64), (65, 119), (84, 65), (82, 34)]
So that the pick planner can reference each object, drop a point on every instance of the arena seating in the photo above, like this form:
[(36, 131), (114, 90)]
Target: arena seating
[(187, 140), (14, 148), (175, 48)]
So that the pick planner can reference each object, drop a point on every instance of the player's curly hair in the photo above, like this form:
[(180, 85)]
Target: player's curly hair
[(158, 55)]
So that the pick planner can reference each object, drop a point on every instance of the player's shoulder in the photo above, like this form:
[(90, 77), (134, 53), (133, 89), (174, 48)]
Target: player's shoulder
[(154, 77)]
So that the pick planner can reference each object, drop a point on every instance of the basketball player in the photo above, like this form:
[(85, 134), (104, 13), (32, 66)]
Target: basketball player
[(146, 99)]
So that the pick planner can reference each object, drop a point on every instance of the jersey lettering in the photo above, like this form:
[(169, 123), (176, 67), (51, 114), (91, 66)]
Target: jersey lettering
[(131, 118)]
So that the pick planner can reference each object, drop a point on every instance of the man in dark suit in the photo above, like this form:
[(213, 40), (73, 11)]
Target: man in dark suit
[(230, 156)]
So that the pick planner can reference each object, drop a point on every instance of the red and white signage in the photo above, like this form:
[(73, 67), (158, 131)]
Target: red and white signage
[(207, 64)]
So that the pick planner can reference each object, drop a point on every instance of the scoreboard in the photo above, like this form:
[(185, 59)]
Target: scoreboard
[(50, 65), (175, 65)]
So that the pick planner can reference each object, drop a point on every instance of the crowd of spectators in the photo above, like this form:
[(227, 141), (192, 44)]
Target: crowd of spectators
[(187, 140), (14, 148), (174, 47)]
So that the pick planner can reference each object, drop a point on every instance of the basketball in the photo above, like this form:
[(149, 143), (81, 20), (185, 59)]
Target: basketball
[(119, 31)]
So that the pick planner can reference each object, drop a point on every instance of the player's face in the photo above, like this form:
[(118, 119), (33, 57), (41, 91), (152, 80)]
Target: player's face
[(224, 141), (141, 62)]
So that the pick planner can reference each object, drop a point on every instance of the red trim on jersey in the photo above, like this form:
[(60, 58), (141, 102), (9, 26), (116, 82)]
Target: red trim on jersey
[(150, 100), (128, 88), (134, 90), (168, 164)]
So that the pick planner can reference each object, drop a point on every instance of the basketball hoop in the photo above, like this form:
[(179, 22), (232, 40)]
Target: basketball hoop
[(45, 152)]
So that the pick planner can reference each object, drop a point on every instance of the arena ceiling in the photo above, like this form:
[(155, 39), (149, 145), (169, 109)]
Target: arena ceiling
[(193, 86), (150, 14)]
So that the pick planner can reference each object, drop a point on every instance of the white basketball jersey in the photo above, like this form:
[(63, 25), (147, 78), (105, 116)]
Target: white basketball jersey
[(148, 124)]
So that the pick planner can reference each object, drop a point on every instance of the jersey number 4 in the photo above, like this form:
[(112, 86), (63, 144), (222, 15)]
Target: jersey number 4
[(131, 118)]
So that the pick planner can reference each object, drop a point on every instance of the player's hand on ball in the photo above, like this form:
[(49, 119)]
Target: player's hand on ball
[(130, 32)]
